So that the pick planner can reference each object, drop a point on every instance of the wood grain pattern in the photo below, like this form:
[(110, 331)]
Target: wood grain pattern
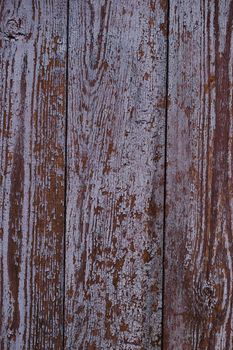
[(199, 270), (32, 139), (116, 118), (116, 138)]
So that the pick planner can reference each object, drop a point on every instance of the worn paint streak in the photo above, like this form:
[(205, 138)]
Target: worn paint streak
[(199, 270), (32, 139), (117, 79)]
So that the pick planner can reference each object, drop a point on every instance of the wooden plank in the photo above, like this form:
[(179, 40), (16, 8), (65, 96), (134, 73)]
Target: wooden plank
[(116, 118), (199, 271), (32, 139)]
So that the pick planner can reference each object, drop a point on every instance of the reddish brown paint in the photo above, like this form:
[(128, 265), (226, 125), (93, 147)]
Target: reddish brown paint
[(102, 152), (116, 131), (32, 140), (198, 271)]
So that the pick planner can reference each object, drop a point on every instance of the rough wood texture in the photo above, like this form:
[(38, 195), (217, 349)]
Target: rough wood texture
[(32, 139), (115, 138), (199, 270), (116, 117)]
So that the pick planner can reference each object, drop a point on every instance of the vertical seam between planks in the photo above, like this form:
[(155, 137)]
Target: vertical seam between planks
[(165, 172), (65, 170)]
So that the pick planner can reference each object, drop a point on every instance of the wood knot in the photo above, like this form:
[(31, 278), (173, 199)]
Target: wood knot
[(208, 291), (205, 297), (13, 30)]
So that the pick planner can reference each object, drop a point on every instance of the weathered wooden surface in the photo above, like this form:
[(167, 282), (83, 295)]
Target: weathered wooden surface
[(32, 139), (115, 138), (116, 118), (199, 253)]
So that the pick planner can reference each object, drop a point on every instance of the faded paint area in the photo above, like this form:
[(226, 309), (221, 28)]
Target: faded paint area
[(32, 139), (198, 273), (86, 261), (116, 137)]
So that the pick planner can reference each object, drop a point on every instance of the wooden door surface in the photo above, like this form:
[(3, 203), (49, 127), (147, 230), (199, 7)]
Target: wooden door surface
[(116, 141)]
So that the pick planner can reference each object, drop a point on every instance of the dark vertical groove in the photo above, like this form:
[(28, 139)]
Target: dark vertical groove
[(65, 169), (165, 172)]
